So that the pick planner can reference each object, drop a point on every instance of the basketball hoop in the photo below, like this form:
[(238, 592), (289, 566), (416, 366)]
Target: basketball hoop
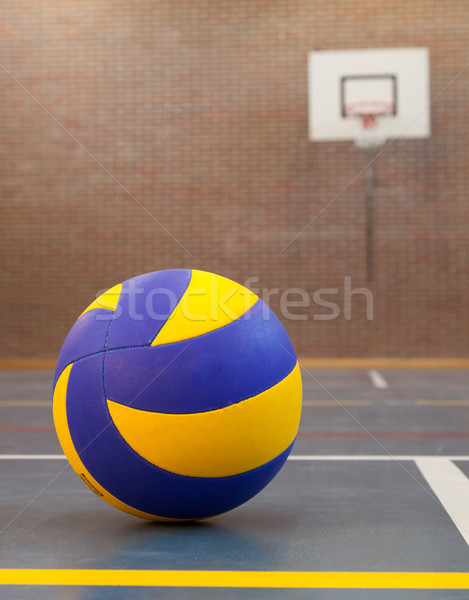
[(369, 113)]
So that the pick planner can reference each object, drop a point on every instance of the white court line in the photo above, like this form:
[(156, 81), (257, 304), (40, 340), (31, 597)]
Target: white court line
[(316, 457), (447, 481), (378, 380), (32, 456), (451, 487), (395, 457)]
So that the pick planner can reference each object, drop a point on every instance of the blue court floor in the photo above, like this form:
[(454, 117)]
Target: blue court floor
[(373, 504)]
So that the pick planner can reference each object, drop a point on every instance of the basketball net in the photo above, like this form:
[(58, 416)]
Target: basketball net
[(370, 134)]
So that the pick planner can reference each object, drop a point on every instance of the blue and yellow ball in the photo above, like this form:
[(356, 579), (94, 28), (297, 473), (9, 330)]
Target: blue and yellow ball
[(177, 395)]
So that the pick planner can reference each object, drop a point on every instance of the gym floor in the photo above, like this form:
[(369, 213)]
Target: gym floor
[(372, 502)]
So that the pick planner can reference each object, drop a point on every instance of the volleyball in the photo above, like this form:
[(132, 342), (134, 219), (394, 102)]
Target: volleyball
[(177, 395)]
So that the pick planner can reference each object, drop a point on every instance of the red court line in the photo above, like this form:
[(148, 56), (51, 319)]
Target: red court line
[(25, 428), (321, 434), (353, 434)]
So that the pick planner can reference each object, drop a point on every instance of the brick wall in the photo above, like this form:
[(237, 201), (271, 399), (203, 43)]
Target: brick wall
[(196, 111)]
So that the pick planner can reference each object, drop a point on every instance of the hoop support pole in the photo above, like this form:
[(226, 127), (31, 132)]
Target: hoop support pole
[(369, 193)]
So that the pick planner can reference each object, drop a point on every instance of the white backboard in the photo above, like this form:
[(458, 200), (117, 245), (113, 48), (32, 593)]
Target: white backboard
[(396, 76)]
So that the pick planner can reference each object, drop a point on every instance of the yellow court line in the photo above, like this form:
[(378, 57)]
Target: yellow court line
[(28, 363), (235, 579), (442, 402), (307, 362), (387, 403), (338, 403), (384, 363)]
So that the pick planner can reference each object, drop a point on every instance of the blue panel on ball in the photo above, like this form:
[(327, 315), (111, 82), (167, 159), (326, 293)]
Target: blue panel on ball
[(132, 479), (87, 336), (204, 373), (145, 303)]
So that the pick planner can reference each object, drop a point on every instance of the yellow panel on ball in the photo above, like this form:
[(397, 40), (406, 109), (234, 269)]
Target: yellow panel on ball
[(216, 443), (63, 433), (209, 302), (108, 300)]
